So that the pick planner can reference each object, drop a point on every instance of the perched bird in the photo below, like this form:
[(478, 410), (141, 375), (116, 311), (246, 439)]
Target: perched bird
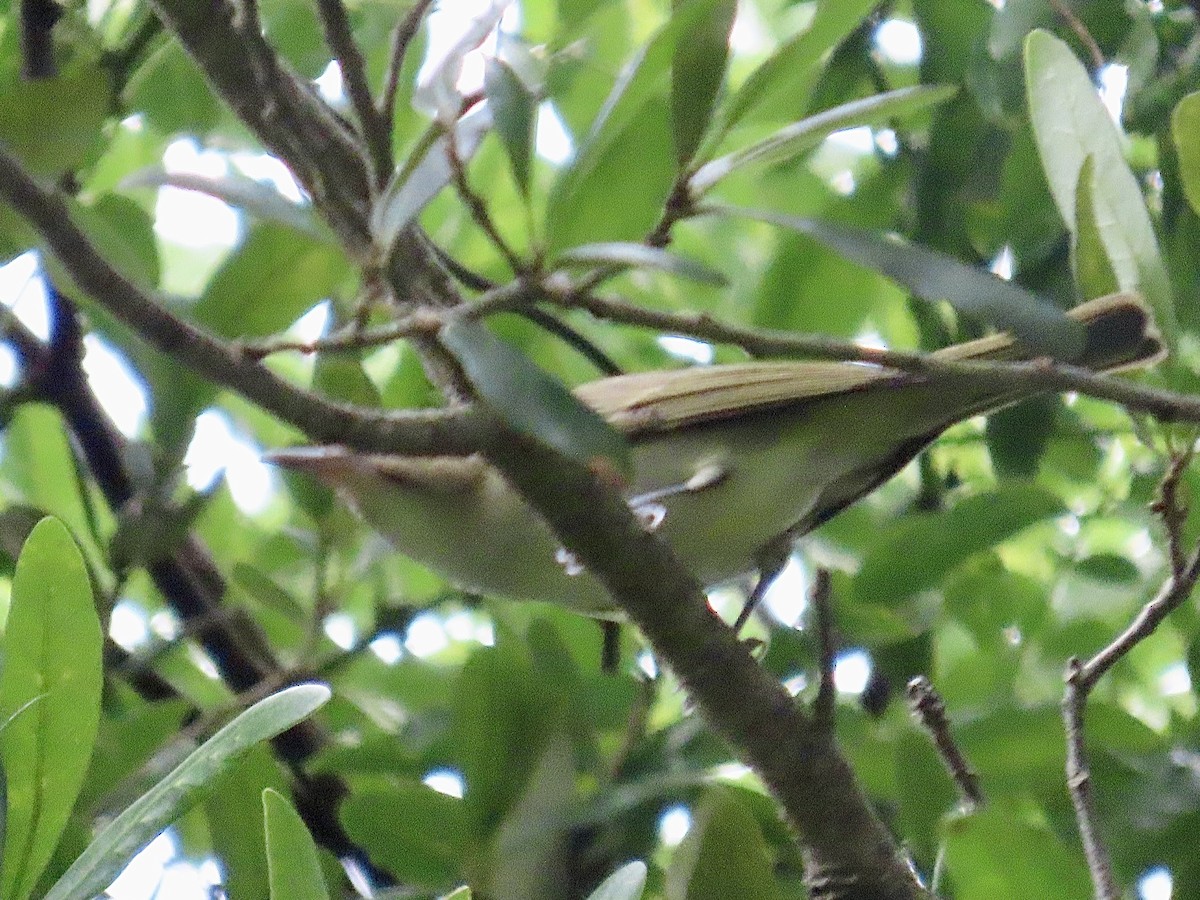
[(729, 460)]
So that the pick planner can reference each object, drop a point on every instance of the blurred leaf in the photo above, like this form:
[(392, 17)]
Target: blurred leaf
[(268, 282), (291, 853), (140, 822), (1018, 435), (788, 74), (258, 198), (1185, 130), (1071, 124), (892, 569), (1110, 569), (622, 172), (417, 834), (996, 853), (169, 89), (52, 672), (724, 854), (53, 125), (530, 401), (1093, 273), (421, 179), (1040, 327), (623, 255), (514, 109), (341, 376), (697, 70), (627, 883), (800, 137)]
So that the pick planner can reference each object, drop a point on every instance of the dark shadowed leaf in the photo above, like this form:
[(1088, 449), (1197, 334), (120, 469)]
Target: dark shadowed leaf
[(514, 109), (1040, 327), (697, 71), (530, 401)]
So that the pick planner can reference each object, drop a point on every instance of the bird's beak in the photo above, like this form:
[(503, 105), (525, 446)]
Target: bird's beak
[(319, 461)]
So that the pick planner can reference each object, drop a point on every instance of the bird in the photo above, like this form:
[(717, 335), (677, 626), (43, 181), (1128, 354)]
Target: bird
[(730, 461)]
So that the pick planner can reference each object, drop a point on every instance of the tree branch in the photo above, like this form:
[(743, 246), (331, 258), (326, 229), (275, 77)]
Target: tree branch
[(421, 433), (376, 132), (851, 853)]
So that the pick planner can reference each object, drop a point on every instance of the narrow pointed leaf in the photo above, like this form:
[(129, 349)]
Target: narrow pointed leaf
[(1093, 272), (697, 70), (1070, 124), (627, 255), (514, 108), (530, 401), (181, 789), (295, 870), (800, 137), (1185, 130), (52, 677), (1039, 326)]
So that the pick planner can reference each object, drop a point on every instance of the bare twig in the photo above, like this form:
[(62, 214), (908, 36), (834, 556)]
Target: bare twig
[(1085, 37), (1172, 509), (821, 597), (930, 711), (402, 37), (478, 208), (1081, 677), (376, 131)]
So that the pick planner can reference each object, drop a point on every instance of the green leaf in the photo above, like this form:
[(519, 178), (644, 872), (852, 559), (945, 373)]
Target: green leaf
[(1093, 273), (273, 278), (697, 70), (615, 186), (1039, 326), (997, 853), (800, 137), (530, 401), (1185, 130), (1071, 124), (918, 552), (142, 820), (788, 74), (627, 883), (52, 645), (53, 124), (39, 462), (291, 853), (412, 831), (422, 178), (624, 255), (514, 110), (724, 854)]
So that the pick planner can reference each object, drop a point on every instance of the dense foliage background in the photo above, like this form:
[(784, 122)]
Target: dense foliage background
[(1007, 548)]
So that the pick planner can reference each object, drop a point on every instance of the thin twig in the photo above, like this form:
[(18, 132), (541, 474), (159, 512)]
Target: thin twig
[(1172, 509), (821, 599), (478, 208), (930, 710), (376, 132), (1081, 678), (1085, 37), (402, 37)]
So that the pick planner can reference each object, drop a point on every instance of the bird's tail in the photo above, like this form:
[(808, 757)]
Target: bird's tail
[(1119, 333)]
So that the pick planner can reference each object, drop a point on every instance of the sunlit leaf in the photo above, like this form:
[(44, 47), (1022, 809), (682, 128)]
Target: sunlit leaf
[(291, 854), (1185, 130), (1071, 124), (52, 674), (627, 883), (138, 824)]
